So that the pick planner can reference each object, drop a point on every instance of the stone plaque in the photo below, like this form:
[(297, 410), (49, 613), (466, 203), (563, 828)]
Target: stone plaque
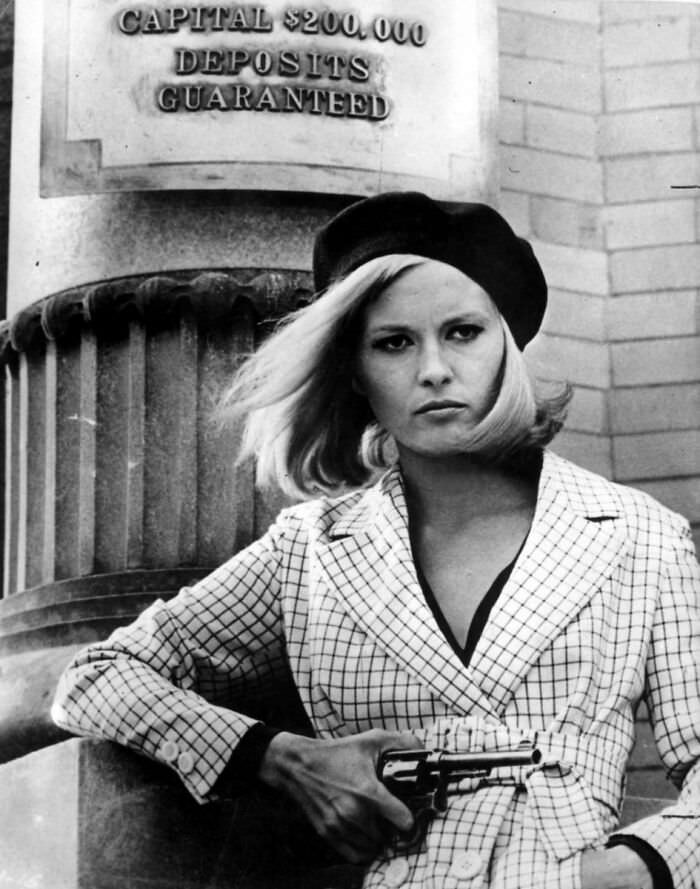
[(345, 96)]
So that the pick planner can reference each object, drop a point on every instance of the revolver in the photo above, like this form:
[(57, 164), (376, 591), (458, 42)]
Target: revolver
[(421, 778)]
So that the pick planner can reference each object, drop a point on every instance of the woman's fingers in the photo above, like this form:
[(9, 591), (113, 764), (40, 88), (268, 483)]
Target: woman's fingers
[(355, 840), (380, 740), (393, 810), (396, 813)]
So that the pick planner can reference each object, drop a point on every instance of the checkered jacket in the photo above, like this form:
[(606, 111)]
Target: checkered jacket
[(601, 610)]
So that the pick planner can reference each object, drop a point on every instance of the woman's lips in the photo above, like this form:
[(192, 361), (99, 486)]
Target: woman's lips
[(438, 406)]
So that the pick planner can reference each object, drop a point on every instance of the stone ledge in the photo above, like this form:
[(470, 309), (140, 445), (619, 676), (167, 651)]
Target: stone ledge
[(27, 684), (91, 815), (82, 609), (156, 301)]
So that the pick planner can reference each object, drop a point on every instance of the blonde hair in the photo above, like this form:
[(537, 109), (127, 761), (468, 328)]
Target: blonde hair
[(309, 431)]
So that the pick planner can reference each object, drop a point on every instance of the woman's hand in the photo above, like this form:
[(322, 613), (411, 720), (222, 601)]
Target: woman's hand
[(335, 783), (616, 868)]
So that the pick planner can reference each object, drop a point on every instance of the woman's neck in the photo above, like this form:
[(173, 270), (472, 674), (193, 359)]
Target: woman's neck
[(453, 491)]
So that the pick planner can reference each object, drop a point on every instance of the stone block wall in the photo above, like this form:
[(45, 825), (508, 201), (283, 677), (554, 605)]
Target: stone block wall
[(553, 193), (600, 167), (649, 143)]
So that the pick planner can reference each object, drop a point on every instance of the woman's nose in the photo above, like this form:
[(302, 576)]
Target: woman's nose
[(434, 369)]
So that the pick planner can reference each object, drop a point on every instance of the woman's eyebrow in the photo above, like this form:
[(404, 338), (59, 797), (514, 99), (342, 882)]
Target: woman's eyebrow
[(470, 316), (388, 326)]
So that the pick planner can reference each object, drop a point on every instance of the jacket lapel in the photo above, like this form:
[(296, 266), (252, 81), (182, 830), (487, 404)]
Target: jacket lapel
[(575, 542), (368, 560)]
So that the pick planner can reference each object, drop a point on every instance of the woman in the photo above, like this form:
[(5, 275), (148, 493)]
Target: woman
[(480, 593)]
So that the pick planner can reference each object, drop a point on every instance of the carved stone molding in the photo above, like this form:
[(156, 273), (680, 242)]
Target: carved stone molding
[(157, 301), (114, 458)]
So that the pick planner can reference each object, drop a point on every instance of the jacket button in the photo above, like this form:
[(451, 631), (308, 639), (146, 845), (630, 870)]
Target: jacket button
[(169, 750), (185, 763), (396, 873), (466, 865)]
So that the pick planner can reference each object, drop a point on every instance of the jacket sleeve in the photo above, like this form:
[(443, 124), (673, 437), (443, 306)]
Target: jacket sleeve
[(673, 697), (160, 684)]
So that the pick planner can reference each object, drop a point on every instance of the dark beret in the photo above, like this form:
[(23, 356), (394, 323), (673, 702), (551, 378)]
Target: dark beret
[(473, 238)]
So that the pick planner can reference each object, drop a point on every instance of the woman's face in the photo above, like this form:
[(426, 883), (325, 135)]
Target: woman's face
[(429, 358)]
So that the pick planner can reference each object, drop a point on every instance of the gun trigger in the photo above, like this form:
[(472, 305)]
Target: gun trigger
[(424, 811), (440, 794)]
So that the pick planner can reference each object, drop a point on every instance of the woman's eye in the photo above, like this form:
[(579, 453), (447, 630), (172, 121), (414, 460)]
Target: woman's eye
[(397, 342), (465, 332)]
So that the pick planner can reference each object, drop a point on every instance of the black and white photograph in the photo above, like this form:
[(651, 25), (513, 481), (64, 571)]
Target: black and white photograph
[(350, 444)]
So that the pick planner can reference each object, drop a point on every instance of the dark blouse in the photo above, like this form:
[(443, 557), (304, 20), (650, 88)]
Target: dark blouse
[(481, 615)]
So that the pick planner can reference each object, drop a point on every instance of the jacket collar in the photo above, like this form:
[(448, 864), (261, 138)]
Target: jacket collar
[(574, 541), (584, 493), (384, 502)]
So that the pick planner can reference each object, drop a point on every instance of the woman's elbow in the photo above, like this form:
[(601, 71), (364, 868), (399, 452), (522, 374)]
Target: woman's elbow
[(75, 688)]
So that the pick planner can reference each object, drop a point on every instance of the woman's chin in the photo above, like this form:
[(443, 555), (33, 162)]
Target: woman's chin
[(439, 449)]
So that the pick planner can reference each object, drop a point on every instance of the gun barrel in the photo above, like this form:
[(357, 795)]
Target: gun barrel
[(455, 762), (404, 766)]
